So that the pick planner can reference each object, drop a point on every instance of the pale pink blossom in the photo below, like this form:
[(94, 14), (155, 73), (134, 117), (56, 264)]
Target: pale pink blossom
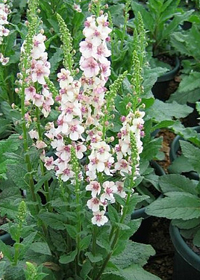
[(89, 66), (99, 218), (94, 187), (94, 204)]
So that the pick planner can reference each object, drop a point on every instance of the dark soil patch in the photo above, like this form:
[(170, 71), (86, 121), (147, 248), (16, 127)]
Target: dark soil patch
[(161, 264)]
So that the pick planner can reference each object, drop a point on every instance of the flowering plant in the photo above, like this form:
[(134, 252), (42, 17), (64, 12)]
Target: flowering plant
[(67, 184)]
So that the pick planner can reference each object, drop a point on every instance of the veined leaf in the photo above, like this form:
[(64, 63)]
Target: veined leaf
[(176, 206), (189, 82), (192, 154), (64, 259), (177, 183)]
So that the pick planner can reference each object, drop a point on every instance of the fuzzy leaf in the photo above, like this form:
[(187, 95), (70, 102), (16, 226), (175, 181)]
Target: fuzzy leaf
[(192, 154), (177, 183), (41, 248), (85, 242), (94, 259), (176, 206), (183, 97), (64, 259), (6, 250), (113, 214), (136, 272), (193, 223), (136, 253), (165, 111), (180, 165), (190, 82), (53, 220)]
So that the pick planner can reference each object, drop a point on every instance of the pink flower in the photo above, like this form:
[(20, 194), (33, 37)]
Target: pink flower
[(89, 66), (109, 189), (94, 204), (40, 71), (94, 187), (99, 218), (88, 49)]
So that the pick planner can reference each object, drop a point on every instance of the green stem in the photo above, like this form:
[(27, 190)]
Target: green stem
[(115, 240), (42, 168)]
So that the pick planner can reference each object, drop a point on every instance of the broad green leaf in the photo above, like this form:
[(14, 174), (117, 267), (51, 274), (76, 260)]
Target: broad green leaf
[(146, 16), (189, 82), (176, 206), (180, 165), (192, 154), (94, 258), (136, 272), (136, 253), (41, 248), (2, 267), (86, 268), (193, 223), (53, 220), (85, 242), (113, 214), (64, 259), (6, 250), (161, 111), (183, 97), (177, 183), (174, 23)]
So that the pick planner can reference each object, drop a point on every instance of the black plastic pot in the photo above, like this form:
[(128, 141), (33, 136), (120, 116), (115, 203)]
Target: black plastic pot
[(159, 89), (6, 238), (186, 262), (142, 234), (173, 154)]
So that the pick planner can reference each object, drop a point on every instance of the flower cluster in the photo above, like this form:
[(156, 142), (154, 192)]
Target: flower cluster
[(4, 11), (81, 102), (40, 68)]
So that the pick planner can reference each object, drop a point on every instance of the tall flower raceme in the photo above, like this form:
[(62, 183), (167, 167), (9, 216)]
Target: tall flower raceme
[(37, 92), (81, 104), (4, 12)]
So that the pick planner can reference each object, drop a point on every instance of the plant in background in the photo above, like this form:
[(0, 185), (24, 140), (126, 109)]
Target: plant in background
[(181, 201), (161, 18), (188, 90), (74, 221)]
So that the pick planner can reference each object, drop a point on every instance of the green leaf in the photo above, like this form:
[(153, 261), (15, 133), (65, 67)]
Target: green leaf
[(113, 214), (177, 206), (161, 111), (56, 59), (183, 97), (136, 253), (136, 272), (193, 223), (94, 258), (2, 268), (192, 154), (85, 242), (177, 183), (6, 250), (64, 259), (53, 220), (72, 231), (86, 268), (189, 82), (41, 248)]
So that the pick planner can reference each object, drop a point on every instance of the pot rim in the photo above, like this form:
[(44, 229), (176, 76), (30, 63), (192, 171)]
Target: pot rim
[(170, 74), (183, 249)]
